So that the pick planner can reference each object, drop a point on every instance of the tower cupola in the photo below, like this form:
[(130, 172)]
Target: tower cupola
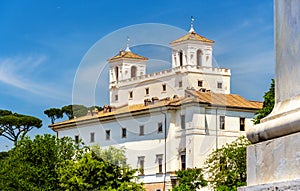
[(192, 49)]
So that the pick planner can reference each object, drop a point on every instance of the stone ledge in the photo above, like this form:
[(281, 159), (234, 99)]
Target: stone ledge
[(275, 160), (292, 185)]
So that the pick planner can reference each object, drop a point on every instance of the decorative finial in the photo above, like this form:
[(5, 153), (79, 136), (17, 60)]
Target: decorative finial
[(192, 24), (127, 45)]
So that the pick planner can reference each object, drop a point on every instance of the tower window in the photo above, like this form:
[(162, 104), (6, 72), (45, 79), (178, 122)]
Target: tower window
[(182, 121), (199, 57), (219, 85), (117, 73), (107, 134), (180, 84), (222, 122), (131, 94), (124, 132), (92, 137), (116, 97), (183, 163), (147, 91), (142, 130), (200, 83), (180, 58), (159, 128), (133, 71), (242, 123), (164, 87)]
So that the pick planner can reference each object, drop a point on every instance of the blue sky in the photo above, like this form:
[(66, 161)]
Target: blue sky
[(44, 42)]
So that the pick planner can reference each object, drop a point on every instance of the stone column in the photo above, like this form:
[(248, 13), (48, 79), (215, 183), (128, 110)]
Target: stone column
[(273, 161)]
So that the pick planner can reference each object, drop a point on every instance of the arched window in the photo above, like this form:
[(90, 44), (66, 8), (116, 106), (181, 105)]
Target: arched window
[(199, 57), (133, 71), (117, 73), (180, 58)]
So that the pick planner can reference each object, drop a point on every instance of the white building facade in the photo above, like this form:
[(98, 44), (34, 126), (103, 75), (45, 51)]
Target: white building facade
[(168, 120)]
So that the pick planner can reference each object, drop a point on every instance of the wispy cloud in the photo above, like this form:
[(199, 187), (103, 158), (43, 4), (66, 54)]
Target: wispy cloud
[(18, 72)]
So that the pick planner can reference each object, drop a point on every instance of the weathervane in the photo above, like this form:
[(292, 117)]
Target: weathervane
[(192, 24), (127, 45)]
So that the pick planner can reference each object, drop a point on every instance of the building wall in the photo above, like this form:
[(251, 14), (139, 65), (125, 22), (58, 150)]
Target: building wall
[(187, 75), (197, 140)]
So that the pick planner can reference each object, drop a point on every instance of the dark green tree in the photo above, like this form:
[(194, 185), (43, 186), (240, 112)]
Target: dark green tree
[(32, 164), (114, 155), (53, 114), (190, 179), (268, 105), (95, 107), (74, 110), (14, 126), (226, 166), (50, 163), (91, 172)]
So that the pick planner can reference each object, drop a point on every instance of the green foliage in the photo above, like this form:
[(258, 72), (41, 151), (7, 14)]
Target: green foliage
[(3, 155), (114, 155), (13, 125), (32, 164), (226, 166), (268, 105), (95, 107), (53, 114), (190, 179), (70, 111), (74, 111), (50, 163), (91, 172)]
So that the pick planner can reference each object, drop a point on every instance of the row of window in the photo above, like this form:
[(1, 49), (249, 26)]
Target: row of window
[(164, 88), (160, 128), (222, 123), (141, 133), (159, 160)]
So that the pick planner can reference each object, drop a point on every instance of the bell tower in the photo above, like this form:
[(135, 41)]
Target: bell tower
[(125, 65), (192, 49)]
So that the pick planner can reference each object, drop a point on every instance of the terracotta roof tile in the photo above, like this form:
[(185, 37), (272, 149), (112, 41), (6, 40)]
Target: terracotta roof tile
[(192, 36), (127, 55), (226, 100)]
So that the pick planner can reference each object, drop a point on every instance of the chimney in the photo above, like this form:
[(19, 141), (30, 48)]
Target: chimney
[(89, 113), (147, 102), (95, 111), (155, 100)]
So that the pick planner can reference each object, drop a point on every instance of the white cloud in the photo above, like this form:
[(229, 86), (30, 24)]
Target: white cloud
[(18, 72)]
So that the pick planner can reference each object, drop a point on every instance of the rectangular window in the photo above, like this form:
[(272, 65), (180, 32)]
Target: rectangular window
[(182, 157), (182, 118), (107, 134), (242, 123), (180, 84), (222, 122), (124, 132), (159, 160), (142, 130), (159, 127), (92, 137), (164, 87), (76, 139), (220, 85), (147, 91), (141, 164), (130, 94), (116, 97), (200, 83)]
